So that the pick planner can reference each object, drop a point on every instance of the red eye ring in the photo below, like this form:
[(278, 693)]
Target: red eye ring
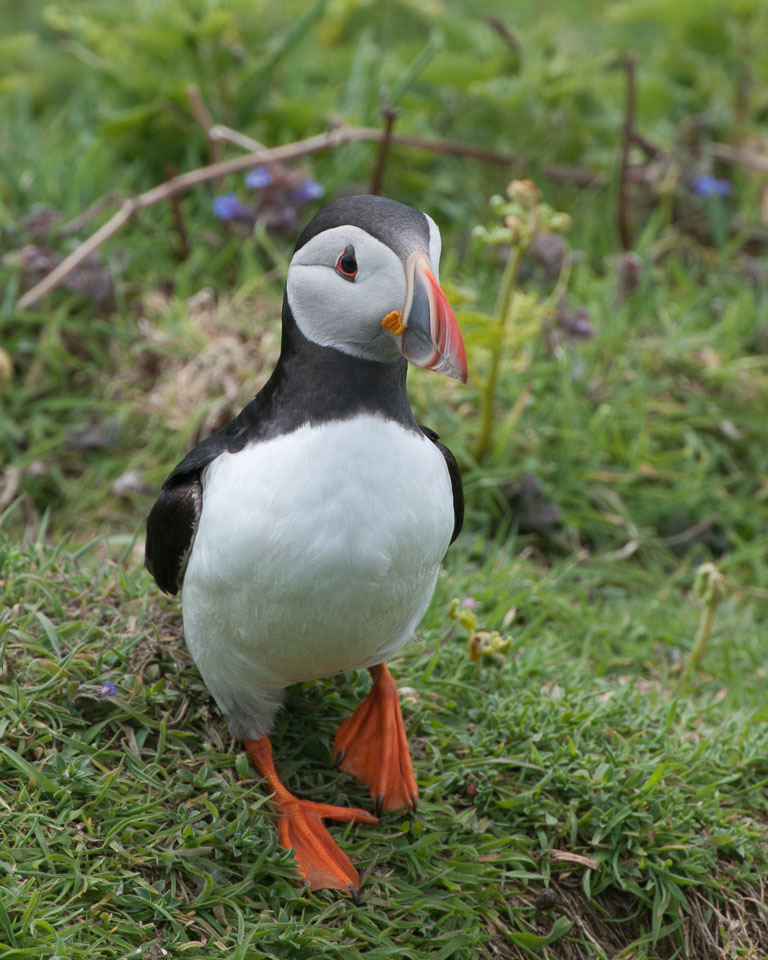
[(346, 265)]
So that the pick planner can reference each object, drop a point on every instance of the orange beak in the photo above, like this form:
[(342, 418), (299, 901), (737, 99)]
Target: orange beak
[(431, 338)]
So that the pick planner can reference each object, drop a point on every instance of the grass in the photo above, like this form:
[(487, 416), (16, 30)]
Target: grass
[(132, 820), (598, 791)]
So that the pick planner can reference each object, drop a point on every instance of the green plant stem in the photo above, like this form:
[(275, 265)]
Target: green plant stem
[(703, 633), (489, 390)]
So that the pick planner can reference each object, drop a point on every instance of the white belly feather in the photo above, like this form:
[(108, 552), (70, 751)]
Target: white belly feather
[(316, 552)]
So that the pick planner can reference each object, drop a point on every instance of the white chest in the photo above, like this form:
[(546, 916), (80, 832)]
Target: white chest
[(316, 552)]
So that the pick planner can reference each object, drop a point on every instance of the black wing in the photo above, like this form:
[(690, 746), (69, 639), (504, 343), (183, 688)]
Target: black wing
[(172, 522), (171, 528), (453, 472)]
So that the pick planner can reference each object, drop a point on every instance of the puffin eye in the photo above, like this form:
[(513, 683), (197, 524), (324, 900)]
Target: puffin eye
[(346, 265)]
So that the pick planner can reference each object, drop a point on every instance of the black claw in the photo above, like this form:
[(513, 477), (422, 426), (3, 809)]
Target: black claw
[(415, 802), (379, 805), (354, 893), (338, 758)]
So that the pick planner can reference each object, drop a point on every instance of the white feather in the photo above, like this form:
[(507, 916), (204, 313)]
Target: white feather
[(316, 552), (435, 246), (335, 312)]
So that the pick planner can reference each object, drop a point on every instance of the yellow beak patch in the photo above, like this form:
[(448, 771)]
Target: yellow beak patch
[(393, 322)]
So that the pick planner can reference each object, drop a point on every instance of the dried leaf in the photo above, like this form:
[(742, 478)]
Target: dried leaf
[(565, 856)]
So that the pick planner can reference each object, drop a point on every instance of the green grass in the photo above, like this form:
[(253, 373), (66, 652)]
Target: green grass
[(590, 762), (133, 819)]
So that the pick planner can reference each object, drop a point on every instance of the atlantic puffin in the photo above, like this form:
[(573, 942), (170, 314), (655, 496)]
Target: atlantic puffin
[(306, 536)]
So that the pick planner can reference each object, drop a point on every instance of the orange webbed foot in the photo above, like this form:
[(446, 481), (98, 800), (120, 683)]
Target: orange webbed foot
[(372, 746), (320, 861)]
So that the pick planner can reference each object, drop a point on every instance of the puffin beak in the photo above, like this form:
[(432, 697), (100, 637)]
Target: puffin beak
[(431, 337)]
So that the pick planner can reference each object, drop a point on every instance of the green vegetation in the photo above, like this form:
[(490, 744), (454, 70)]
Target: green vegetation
[(595, 786)]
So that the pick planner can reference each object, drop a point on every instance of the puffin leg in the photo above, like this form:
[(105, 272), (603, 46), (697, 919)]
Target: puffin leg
[(300, 827), (372, 746)]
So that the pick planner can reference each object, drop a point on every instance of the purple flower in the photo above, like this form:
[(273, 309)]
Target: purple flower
[(309, 190), (707, 185), (574, 323), (96, 691), (228, 207), (259, 177)]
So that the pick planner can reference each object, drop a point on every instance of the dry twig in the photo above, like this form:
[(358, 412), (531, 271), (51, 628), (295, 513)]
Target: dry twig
[(204, 118), (301, 148), (108, 200), (178, 219), (739, 156), (227, 135), (625, 228), (390, 114), (178, 185), (509, 38)]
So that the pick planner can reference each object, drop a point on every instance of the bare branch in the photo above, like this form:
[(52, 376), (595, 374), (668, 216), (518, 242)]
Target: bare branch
[(178, 219), (452, 147), (649, 149), (177, 185), (513, 44), (204, 118), (739, 156), (77, 256), (108, 200), (221, 133), (625, 228), (301, 148), (581, 176), (390, 114)]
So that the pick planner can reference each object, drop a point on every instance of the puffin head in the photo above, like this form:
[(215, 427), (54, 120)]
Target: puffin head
[(363, 280)]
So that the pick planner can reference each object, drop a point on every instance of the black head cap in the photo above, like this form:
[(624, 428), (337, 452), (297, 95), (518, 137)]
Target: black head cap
[(402, 228)]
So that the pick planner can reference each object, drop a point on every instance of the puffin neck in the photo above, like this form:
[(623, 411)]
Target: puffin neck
[(316, 384)]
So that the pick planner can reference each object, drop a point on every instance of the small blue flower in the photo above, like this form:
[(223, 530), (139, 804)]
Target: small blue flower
[(707, 185), (259, 177), (309, 190), (95, 691), (228, 207)]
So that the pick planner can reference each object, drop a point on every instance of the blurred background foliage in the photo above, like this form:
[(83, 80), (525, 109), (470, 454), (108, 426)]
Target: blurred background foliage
[(616, 318), (629, 412)]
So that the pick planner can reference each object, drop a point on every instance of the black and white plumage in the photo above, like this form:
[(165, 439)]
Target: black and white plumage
[(306, 536)]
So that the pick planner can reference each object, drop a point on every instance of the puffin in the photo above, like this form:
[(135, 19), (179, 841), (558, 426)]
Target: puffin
[(306, 536)]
